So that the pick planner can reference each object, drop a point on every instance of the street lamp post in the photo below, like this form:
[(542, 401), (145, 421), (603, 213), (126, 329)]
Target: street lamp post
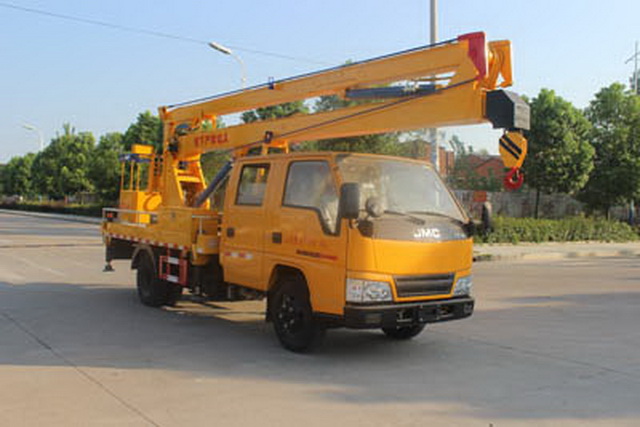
[(227, 51), (35, 129)]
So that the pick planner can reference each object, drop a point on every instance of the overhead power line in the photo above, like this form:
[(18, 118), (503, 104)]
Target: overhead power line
[(147, 32)]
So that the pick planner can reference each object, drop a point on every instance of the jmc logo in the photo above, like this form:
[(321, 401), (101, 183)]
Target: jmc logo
[(427, 233)]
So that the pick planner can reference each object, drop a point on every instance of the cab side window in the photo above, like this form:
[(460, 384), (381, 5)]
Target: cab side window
[(252, 186), (311, 185)]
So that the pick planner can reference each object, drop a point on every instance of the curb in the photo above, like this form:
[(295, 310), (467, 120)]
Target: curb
[(548, 256), (60, 217), (483, 257)]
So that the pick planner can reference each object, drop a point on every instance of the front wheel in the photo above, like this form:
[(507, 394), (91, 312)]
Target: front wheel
[(292, 316), (403, 332)]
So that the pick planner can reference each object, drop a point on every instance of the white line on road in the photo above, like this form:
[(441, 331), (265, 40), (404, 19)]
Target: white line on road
[(36, 265), (11, 278), (77, 368)]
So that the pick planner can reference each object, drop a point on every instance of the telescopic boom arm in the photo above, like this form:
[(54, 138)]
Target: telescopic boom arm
[(456, 82)]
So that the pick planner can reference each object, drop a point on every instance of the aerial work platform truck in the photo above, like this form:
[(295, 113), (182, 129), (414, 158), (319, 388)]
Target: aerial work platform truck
[(328, 239)]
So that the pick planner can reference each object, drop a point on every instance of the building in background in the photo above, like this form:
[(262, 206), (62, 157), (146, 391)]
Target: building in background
[(487, 166), (446, 159)]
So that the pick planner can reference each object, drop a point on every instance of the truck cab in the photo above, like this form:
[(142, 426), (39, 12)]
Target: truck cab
[(341, 239)]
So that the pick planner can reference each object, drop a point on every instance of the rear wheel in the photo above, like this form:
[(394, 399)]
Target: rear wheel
[(403, 332), (292, 316), (174, 292), (151, 290)]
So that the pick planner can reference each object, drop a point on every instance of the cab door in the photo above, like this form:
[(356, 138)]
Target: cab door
[(305, 232), (244, 223)]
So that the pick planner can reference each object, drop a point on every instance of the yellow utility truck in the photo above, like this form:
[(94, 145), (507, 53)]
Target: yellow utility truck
[(330, 239)]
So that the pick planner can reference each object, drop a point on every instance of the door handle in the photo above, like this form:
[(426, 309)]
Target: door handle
[(276, 237), (231, 231)]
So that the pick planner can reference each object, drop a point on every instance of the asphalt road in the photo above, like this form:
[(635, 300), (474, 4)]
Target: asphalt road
[(551, 343)]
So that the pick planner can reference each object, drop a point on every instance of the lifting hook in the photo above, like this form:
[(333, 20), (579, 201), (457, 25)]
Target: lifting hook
[(514, 179)]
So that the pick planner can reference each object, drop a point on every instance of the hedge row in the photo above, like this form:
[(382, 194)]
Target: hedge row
[(83, 210), (515, 230), (506, 230)]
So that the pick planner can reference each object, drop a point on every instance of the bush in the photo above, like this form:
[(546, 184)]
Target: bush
[(515, 230), (83, 210)]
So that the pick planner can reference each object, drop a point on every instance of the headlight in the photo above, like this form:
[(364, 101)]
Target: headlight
[(368, 291), (463, 286)]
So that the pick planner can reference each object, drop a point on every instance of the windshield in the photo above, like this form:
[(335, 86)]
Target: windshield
[(400, 187)]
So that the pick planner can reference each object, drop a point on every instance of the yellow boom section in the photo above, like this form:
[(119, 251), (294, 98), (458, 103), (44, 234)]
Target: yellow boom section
[(461, 64), (451, 83)]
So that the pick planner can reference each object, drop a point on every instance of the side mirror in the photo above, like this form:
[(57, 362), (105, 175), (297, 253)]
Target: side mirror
[(349, 206), (470, 228)]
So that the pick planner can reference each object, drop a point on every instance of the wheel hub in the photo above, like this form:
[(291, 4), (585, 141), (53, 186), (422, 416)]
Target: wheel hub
[(289, 315)]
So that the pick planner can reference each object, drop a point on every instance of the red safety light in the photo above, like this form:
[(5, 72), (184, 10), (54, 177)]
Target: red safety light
[(477, 51)]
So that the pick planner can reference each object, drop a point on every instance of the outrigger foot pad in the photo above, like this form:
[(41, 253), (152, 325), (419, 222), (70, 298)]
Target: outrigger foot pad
[(108, 268)]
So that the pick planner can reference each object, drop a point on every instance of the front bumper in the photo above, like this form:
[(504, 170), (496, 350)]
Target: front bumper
[(407, 314)]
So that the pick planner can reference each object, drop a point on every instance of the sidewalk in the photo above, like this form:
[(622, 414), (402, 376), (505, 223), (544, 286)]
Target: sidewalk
[(553, 251)]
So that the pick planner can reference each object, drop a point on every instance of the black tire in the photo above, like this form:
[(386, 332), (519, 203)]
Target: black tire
[(174, 293), (404, 332), (292, 316), (151, 290)]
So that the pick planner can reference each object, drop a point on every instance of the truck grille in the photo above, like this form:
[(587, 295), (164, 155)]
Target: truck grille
[(424, 285)]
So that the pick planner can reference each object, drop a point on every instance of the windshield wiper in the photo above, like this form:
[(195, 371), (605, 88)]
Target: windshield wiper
[(440, 214), (407, 215)]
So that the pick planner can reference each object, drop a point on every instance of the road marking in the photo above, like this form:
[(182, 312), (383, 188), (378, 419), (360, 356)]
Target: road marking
[(541, 354), (84, 373), (36, 265), (10, 278)]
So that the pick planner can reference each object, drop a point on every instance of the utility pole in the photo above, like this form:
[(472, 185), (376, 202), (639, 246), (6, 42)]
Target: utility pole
[(432, 134), (635, 70), (634, 78), (634, 86), (434, 21)]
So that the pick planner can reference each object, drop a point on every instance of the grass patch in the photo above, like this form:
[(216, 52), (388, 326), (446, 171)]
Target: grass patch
[(576, 229)]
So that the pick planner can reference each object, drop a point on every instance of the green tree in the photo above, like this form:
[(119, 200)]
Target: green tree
[(465, 174), (275, 111), (615, 115), (17, 176), (62, 168), (382, 144), (147, 129), (387, 143), (2, 178), (560, 157), (414, 144), (212, 161), (105, 166)]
